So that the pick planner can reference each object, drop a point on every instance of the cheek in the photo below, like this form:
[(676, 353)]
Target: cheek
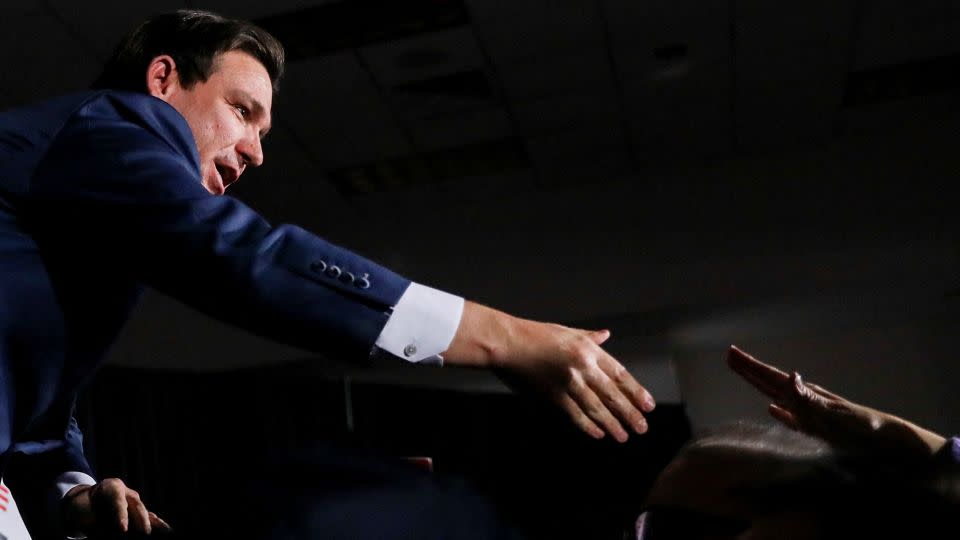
[(221, 134)]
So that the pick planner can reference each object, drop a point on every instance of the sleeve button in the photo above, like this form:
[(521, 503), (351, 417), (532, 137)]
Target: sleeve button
[(333, 271), (318, 266), (410, 350)]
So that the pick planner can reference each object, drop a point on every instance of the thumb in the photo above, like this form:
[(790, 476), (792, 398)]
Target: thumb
[(599, 336)]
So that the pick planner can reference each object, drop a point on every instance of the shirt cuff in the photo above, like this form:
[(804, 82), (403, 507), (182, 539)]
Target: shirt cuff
[(69, 480), (64, 483), (422, 325)]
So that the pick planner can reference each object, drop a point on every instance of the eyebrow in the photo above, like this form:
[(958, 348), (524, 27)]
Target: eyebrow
[(257, 109)]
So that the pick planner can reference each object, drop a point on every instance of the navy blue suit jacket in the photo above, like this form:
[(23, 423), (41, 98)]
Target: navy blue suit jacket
[(100, 194)]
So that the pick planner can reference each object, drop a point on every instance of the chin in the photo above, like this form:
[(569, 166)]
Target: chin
[(211, 182)]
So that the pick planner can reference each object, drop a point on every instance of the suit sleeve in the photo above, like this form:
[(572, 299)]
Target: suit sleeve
[(121, 186), (34, 479)]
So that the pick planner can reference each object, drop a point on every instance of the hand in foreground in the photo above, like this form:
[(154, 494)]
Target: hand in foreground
[(566, 365), (816, 411), (570, 367), (108, 506)]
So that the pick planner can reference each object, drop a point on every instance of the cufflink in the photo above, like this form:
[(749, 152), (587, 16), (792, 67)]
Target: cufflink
[(410, 350)]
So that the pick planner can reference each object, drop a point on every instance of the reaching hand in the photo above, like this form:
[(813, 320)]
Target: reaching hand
[(567, 365), (570, 368), (108, 506), (814, 410)]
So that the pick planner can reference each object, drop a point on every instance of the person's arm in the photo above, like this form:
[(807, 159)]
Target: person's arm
[(814, 410), (120, 188), (108, 506), (58, 494), (567, 365), (124, 175), (42, 472), (85, 505)]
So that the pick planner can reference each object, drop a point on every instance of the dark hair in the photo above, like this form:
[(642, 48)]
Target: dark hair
[(851, 494), (194, 39)]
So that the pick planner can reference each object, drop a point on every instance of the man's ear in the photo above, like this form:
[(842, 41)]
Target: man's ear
[(162, 77)]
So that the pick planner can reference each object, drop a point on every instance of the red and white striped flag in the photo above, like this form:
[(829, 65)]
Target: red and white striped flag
[(11, 524)]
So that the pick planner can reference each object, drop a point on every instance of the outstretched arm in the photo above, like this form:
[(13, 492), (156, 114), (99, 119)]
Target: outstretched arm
[(814, 410)]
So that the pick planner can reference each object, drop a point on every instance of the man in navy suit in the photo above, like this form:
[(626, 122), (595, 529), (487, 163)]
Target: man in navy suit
[(106, 191)]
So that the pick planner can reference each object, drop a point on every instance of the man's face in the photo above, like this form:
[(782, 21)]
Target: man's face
[(228, 113)]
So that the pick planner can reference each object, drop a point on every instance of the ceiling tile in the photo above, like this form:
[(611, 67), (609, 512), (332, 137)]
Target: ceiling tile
[(332, 104), (663, 22), (541, 29), (562, 111), (291, 187), (681, 117), (893, 32), (790, 71), (660, 38), (460, 129), (585, 153), (25, 7), (600, 165), (674, 63), (587, 69), (427, 105), (423, 57), (488, 9)]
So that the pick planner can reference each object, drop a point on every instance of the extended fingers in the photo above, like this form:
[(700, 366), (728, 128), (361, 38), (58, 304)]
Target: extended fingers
[(591, 404), (138, 512), (764, 377), (784, 416), (123, 507), (621, 393), (824, 392), (111, 495), (633, 390), (579, 417), (804, 395), (157, 523)]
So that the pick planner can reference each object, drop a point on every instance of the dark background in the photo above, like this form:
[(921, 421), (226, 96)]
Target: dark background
[(688, 174), (164, 433)]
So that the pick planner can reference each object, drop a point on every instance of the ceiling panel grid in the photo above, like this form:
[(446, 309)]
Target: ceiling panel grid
[(791, 64), (674, 62), (335, 108)]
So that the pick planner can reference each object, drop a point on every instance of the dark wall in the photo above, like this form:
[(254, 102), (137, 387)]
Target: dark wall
[(162, 432)]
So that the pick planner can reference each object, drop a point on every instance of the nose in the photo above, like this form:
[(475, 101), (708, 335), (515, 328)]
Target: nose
[(250, 150)]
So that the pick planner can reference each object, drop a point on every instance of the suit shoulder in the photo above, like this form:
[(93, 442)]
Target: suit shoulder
[(113, 109), (26, 133)]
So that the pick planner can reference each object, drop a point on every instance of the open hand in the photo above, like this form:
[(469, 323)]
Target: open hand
[(570, 367), (567, 365), (108, 506), (817, 411)]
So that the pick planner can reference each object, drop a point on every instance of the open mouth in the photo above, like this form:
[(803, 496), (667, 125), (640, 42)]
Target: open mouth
[(214, 180), (227, 175)]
